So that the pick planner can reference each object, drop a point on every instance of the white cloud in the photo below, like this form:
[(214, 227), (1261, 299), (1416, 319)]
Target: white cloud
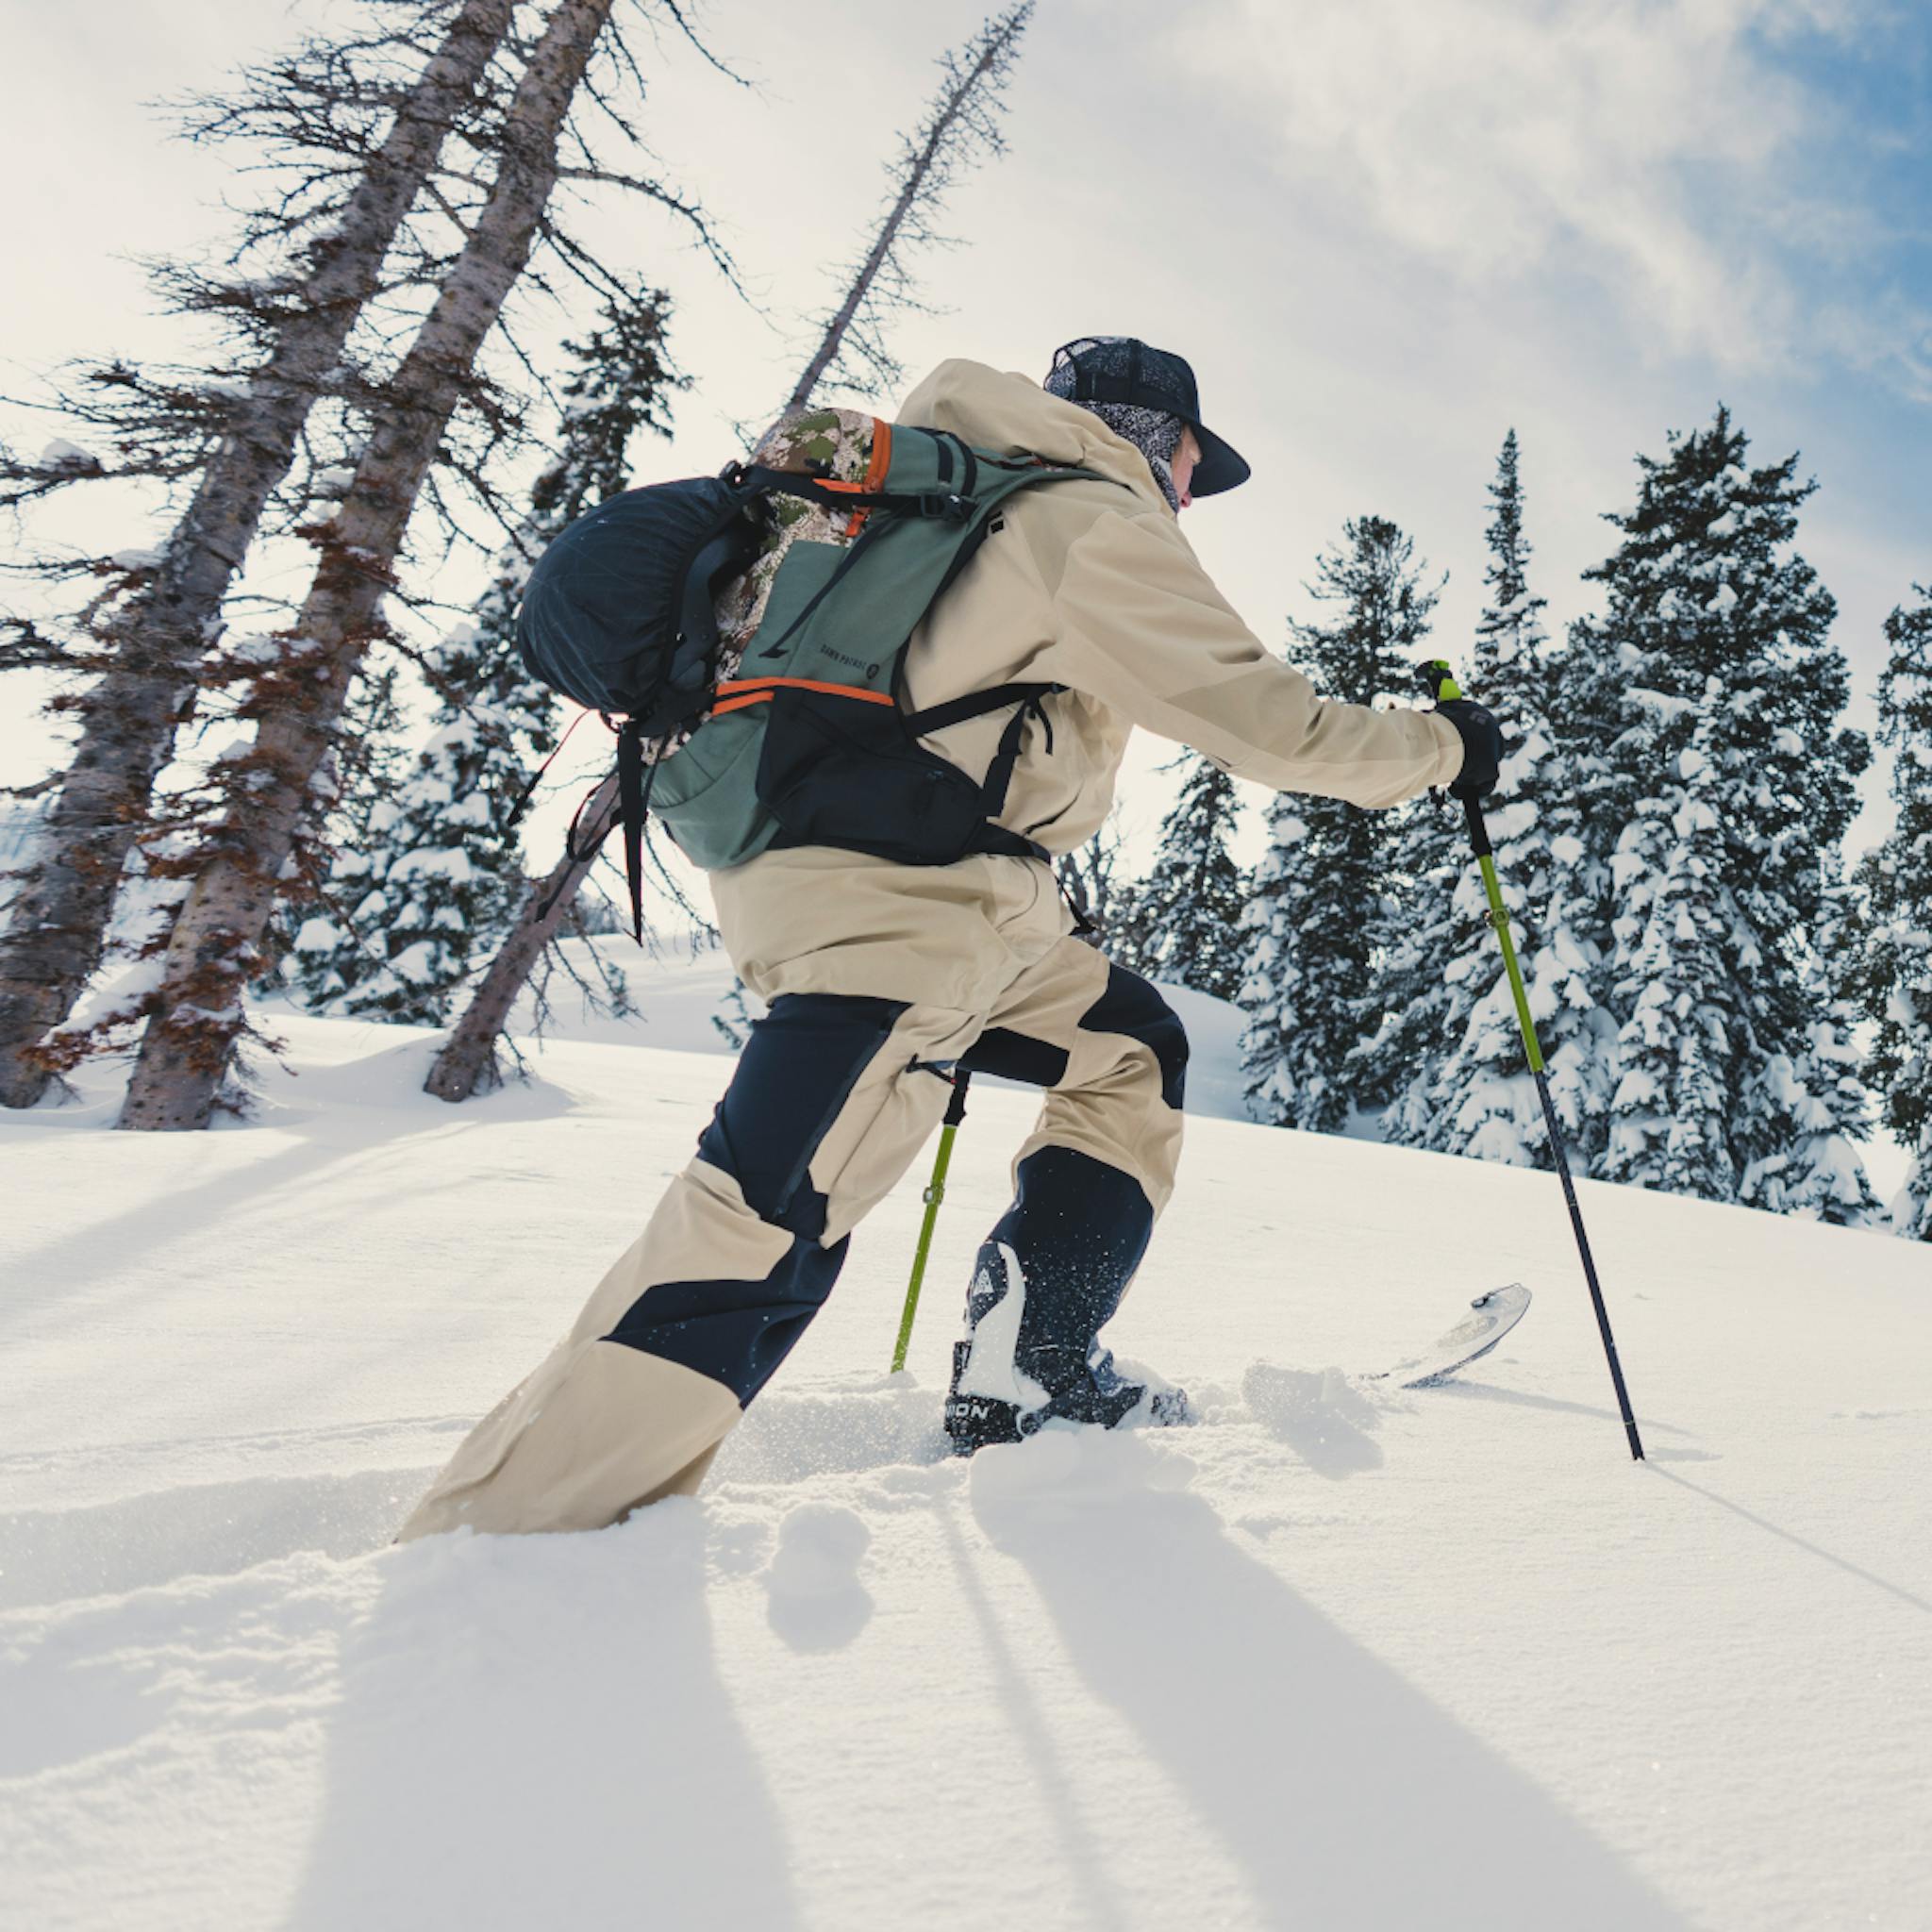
[(1649, 145)]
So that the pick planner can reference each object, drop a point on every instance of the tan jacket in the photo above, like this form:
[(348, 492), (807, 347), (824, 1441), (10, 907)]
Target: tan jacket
[(1090, 586)]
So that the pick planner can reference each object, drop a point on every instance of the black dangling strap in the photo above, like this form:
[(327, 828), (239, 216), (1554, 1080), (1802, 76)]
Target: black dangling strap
[(977, 704), (630, 808), (999, 774), (634, 783)]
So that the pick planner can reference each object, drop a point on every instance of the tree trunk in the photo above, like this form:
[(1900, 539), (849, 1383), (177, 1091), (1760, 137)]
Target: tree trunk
[(214, 947), (844, 315), (56, 932), (468, 1057), (912, 193)]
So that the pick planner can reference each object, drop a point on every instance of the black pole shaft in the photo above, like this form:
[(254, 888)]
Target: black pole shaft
[(1440, 684), (1596, 1293)]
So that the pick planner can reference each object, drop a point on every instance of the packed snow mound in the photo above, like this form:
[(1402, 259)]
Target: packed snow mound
[(1337, 1657)]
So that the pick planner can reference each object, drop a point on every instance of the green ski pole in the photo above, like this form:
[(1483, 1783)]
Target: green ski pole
[(1442, 686), (935, 1193)]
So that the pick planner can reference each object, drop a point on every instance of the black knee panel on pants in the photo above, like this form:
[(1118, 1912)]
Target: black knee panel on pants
[(1131, 1006), (735, 1332), (794, 1076), (793, 1079)]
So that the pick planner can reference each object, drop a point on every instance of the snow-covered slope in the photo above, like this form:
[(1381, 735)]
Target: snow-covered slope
[(1337, 1657)]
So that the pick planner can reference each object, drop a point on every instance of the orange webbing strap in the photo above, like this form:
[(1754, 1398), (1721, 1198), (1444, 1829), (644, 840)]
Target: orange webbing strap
[(735, 694), (875, 478)]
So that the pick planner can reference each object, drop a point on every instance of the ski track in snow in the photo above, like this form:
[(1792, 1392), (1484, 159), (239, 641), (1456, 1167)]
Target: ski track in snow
[(1339, 1657)]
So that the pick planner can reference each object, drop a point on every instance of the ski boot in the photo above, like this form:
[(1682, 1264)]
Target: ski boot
[(1093, 1392), (1004, 1392)]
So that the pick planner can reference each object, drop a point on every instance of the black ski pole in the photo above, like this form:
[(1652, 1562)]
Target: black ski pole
[(1443, 687)]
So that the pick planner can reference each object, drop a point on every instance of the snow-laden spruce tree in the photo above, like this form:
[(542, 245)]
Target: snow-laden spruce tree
[(1823, 1178), (1184, 919), (1279, 992), (1317, 908), (1893, 971), (1452, 1021), (1676, 932), (438, 874), (356, 787), (1720, 695)]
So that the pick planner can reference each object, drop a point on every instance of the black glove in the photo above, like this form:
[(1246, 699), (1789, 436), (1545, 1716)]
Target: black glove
[(1482, 747)]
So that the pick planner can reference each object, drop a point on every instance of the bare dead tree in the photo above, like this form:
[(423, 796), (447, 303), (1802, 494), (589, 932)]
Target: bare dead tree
[(196, 1015), (358, 127), (961, 125)]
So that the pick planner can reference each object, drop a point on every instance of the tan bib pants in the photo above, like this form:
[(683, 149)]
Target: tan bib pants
[(831, 1103)]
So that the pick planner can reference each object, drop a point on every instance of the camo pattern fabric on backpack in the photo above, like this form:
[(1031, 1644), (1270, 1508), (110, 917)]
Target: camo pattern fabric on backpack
[(839, 446)]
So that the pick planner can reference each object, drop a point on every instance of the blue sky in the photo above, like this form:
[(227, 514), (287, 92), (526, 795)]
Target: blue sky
[(1384, 230)]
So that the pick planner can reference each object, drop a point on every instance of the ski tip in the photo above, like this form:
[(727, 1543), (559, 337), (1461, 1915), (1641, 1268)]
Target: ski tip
[(1502, 1294)]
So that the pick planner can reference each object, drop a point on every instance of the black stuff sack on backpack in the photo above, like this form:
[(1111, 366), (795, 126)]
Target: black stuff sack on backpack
[(618, 612)]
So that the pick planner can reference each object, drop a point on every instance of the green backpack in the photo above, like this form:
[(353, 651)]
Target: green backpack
[(746, 636)]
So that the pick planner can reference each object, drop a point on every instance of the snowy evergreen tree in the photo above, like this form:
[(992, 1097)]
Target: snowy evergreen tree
[(1892, 973), (356, 788), (1283, 999), (1731, 785), (1184, 920), (1822, 1177), (1317, 909), (1676, 929), (439, 874), (1451, 1020)]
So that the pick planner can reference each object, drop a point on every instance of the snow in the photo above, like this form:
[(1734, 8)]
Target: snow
[(256, 650), (416, 964), (447, 862), (1337, 1657)]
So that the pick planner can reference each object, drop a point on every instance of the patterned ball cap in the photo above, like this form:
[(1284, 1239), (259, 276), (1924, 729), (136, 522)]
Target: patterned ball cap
[(1123, 369)]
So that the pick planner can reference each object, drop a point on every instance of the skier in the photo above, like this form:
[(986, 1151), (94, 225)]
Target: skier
[(882, 978)]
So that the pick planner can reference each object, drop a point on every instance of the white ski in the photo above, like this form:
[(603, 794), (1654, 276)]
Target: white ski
[(1492, 1316)]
